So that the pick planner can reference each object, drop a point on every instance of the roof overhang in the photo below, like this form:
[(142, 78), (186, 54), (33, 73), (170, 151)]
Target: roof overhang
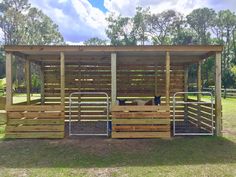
[(188, 53)]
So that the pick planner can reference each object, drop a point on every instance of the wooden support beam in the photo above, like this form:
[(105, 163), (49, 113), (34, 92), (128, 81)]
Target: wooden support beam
[(42, 84), (167, 78), (28, 80), (199, 80), (218, 106), (62, 60), (9, 91), (199, 89), (155, 80), (185, 90), (113, 79)]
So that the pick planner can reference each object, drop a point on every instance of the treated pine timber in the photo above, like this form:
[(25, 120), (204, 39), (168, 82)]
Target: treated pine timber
[(28, 79), (31, 128), (139, 108), (15, 115), (140, 115), (218, 105), (42, 89), (140, 134), (34, 108), (140, 128), (62, 61), (35, 121), (35, 135), (9, 91), (146, 121), (113, 79), (154, 48), (185, 90), (167, 78)]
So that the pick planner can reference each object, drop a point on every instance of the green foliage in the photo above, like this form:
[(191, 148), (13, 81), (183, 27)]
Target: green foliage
[(22, 24), (95, 41), (35, 81)]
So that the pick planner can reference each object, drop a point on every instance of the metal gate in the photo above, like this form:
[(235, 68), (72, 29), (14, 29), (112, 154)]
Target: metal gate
[(89, 114), (198, 116)]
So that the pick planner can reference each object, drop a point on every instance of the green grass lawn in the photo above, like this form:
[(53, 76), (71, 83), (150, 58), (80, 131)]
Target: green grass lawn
[(191, 156)]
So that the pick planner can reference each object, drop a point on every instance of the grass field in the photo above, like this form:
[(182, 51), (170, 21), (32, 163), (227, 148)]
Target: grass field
[(192, 156)]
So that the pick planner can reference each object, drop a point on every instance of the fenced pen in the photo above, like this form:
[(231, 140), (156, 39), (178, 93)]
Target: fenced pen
[(132, 77)]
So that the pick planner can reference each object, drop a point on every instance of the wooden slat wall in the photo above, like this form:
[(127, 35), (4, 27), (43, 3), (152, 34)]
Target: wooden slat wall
[(200, 115), (134, 81), (140, 122), (35, 121)]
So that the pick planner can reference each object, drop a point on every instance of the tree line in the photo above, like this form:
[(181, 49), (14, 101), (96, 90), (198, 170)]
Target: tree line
[(202, 26), (21, 23)]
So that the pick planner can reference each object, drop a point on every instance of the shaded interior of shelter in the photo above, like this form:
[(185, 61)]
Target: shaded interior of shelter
[(140, 75)]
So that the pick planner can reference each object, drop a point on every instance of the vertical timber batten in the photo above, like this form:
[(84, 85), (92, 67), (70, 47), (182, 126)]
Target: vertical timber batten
[(28, 80), (62, 62), (9, 79), (218, 106), (113, 79), (167, 78)]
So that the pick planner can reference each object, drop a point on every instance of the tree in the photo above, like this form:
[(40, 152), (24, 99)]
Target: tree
[(22, 24), (201, 20), (161, 26), (119, 30), (140, 24), (95, 41)]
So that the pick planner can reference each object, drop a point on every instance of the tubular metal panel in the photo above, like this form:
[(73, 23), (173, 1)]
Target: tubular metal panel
[(83, 103), (200, 102)]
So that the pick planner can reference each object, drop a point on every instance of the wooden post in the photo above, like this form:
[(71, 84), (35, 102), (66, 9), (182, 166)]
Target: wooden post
[(199, 88), (155, 92), (28, 80), (42, 83), (218, 106), (185, 90), (167, 78), (199, 80), (9, 98), (113, 79), (62, 61)]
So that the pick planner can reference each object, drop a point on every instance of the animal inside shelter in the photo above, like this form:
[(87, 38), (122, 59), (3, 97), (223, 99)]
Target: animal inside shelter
[(117, 91)]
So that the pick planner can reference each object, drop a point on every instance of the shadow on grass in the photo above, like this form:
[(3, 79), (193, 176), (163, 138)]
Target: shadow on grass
[(100, 152)]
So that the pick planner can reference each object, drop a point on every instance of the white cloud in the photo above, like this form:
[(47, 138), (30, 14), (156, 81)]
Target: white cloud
[(79, 20)]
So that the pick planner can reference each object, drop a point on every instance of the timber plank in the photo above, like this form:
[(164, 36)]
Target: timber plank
[(140, 121), (140, 135), (29, 128), (141, 115), (35, 135), (35, 121)]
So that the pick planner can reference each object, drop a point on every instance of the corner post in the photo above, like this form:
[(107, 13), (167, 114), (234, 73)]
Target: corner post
[(62, 62), (113, 79), (167, 78), (9, 91), (218, 107), (28, 79)]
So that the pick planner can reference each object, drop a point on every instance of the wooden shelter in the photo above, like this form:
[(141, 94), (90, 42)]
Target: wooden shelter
[(129, 72)]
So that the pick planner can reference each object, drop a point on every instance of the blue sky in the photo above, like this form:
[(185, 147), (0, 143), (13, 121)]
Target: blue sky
[(80, 20)]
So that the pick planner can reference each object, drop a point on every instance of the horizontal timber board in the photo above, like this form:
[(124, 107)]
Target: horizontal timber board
[(140, 115), (140, 135), (35, 108), (35, 121), (14, 115), (140, 108), (35, 135), (140, 121), (30, 128), (130, 128)]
